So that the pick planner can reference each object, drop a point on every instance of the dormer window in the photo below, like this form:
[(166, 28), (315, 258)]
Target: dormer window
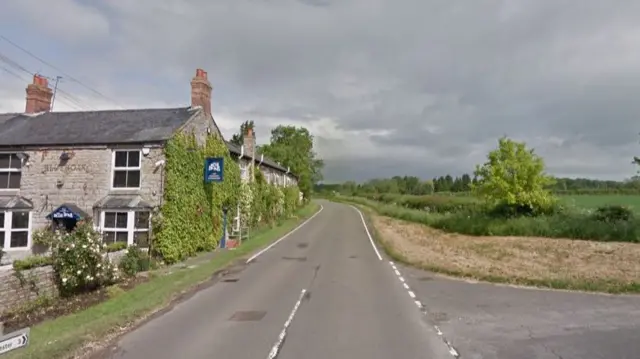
[(10, 171)]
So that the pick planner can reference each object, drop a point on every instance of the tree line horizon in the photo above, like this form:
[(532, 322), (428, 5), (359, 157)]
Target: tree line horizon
[(413, 185)]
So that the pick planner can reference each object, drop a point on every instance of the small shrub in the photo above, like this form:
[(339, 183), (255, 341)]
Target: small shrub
[(115, 247), (134, 261), (79, 261), (114, 291), (613, 213), (32, 262)]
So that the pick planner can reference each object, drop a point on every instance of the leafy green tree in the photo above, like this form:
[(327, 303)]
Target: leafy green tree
[(238, 138), (514, 176), (293, 147)]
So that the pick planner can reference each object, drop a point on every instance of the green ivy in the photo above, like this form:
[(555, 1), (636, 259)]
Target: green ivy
[(192, 211), (190, 218)]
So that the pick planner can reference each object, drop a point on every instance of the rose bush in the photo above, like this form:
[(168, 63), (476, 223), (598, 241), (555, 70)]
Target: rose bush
[(79, 260)]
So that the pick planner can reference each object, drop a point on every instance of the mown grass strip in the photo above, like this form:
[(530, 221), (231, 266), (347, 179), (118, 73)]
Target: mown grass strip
[(60, 337)]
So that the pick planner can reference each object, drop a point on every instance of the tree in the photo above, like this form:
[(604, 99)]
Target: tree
[(293, 147), (238, 138), (514, 176)]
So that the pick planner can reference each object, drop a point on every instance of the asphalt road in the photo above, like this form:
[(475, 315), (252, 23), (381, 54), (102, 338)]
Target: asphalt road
[(324, 282), (337, 298)]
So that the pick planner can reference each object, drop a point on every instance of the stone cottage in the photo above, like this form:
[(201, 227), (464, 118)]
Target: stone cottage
[(105, 165)]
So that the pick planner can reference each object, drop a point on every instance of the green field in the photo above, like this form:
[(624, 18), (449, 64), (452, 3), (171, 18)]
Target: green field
[(593, 201)]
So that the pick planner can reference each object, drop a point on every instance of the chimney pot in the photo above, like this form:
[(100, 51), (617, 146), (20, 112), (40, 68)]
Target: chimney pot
[(201, 91), (249, 142), (38, 95)]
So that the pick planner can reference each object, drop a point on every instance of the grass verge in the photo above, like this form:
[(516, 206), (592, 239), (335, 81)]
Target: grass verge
[(60, 337), (538, 262)]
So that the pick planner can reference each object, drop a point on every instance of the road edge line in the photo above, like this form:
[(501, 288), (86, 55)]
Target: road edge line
[(366, 228), (278, 344), (253, 257), (452, 350)]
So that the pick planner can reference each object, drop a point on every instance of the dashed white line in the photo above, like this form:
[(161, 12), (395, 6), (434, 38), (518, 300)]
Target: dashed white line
[(283, 237), (419, 304), (368, 233), (278, 344), (423, 309)]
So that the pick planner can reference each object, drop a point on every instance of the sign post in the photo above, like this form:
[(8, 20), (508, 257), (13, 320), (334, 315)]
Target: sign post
[(16, 340), (214, 172), (223, 240)]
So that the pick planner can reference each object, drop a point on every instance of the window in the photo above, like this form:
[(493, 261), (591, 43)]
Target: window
[(126, 169), (14, 230), (130, 227), (10, 171), (243, 170), (141, 229)]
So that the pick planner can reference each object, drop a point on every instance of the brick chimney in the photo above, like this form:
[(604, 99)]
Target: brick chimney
[(249, 143), (38, 95), (201, 91)]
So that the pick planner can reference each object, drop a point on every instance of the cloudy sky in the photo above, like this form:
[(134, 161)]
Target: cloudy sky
[(417, 87)]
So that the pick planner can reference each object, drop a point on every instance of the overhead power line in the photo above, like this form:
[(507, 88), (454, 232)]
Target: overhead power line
[(67, 98), (67, 76)]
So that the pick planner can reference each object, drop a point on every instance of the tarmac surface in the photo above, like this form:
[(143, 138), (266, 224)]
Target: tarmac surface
[(326, 291)]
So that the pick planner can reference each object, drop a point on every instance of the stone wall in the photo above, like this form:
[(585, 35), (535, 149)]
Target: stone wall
[(17, 290), (84, 180), (36, 282)]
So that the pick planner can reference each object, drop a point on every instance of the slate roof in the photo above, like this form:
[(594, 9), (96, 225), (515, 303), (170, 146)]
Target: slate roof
[(266, 161), (92, 127), (100, 128), (121, 202), (15, 202)]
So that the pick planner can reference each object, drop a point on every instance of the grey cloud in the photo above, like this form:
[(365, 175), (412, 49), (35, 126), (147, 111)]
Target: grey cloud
[(443, 78)]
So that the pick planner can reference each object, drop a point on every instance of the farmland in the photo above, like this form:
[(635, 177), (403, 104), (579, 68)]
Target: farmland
[(594, 201)]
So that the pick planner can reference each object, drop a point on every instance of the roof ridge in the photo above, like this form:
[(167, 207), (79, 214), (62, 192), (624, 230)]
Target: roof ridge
[(112, 110)]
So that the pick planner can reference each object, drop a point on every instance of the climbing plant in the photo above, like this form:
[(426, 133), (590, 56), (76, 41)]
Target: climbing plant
[(190, 217), (247, 216), (291, 200)]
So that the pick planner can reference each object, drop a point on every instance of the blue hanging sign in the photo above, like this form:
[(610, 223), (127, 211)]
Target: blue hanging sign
[(214, 169), (64, 212)]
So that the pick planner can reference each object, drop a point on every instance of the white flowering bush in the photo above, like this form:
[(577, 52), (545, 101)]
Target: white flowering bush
[(246, 200), (80, 262), (280, 205)]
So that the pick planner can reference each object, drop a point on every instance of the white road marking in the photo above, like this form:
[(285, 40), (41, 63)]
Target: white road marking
[(276, 347), (423, 309), (283, 237), (368, 233)]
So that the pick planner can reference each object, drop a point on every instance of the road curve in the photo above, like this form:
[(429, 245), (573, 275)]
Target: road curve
[(323, 292)]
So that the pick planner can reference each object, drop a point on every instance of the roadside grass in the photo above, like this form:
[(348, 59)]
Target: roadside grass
[(60, 337), (539, 262)]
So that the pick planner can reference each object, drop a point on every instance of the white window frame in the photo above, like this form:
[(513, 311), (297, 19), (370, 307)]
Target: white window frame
[(8, 216), (130, 230), (113, 168), (244, 167), (8, 170)]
